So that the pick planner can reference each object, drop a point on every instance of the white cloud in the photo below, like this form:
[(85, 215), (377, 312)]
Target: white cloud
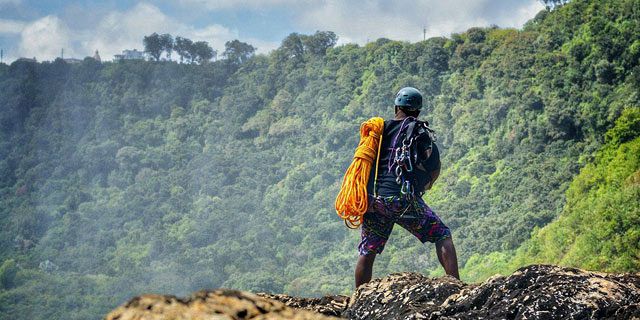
[(252, 4), (11, 26), (353, 21), (44, 38), (114, 32), (359, 21), (125, 30), (404, 19), (215, 35), (522, 14), (261, 45)]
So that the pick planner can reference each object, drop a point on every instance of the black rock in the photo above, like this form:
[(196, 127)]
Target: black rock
[(533, 292)]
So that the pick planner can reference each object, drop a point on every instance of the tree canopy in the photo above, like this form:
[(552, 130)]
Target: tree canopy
[(236, 52), (144, 176)]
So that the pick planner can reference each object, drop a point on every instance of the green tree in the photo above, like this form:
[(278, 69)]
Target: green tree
[(203, 52), (292, 47), (167, 44), (129, 175), (183, 47), (237, 52), (153, 45), (8, 271), (552, 4), (319, 42)]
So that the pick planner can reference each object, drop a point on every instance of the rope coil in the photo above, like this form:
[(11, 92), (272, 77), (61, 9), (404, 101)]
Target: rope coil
[(351, 202)]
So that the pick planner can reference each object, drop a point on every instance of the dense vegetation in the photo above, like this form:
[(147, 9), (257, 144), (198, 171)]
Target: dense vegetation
[(130, 177), (603, 209), (599, 226)]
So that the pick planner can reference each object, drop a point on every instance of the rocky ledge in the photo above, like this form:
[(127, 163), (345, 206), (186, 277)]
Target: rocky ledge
[(534, 292)]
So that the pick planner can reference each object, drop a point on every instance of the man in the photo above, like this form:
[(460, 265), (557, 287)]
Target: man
[(395, 193)]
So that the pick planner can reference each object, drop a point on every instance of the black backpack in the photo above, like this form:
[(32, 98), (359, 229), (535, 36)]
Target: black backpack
[(411, 150)]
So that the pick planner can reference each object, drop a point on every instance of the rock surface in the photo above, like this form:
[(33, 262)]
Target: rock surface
[(210, 305), (328, 305), (548, 292), (401, 296), (534, 292)]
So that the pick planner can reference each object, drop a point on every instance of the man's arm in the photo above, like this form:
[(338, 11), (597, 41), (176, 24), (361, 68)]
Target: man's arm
[(433, 154)]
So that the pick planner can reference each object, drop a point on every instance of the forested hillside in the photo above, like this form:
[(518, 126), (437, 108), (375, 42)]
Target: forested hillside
[(123, 178)]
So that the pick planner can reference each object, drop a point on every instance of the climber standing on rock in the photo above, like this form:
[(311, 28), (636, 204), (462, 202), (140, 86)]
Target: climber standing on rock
[(385, 183)]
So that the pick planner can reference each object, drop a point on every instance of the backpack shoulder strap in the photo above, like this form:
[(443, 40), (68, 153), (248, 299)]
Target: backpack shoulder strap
[(375, 178)]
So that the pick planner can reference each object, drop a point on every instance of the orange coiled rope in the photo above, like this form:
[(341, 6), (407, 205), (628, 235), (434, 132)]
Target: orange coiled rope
[(351, 203)]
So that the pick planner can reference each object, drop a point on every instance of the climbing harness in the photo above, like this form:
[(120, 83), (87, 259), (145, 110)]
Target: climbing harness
[(352, 200)]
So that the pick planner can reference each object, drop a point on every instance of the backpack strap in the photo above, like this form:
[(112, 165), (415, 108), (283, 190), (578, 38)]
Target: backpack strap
[(375, 179)]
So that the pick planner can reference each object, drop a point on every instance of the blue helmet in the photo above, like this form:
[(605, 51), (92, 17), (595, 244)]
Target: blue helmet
[(409, 98)]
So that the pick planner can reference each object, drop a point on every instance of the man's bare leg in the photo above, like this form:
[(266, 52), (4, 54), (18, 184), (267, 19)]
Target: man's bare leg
[(447, 257), (364, 269)]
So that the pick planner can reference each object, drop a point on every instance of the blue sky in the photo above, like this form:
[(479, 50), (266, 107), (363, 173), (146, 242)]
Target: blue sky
[(41, 28)]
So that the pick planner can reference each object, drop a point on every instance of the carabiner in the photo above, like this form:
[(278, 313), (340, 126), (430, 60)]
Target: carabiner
[(406, 188), (407, 142), (398, 171)]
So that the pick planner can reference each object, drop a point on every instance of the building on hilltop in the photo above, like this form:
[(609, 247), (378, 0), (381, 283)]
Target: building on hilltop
[(26, 60), (72, 60), (130, 55)]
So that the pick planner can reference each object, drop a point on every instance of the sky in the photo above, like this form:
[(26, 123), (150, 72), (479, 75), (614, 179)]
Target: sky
[(40, 29)]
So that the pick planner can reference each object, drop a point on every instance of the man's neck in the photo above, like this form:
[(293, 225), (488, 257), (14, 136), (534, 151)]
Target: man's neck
[(400, 115)]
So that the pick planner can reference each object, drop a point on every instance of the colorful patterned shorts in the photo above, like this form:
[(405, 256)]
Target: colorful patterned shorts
[(413, 215)]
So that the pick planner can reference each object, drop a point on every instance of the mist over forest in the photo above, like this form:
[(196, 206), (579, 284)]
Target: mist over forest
[(129, 177)]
